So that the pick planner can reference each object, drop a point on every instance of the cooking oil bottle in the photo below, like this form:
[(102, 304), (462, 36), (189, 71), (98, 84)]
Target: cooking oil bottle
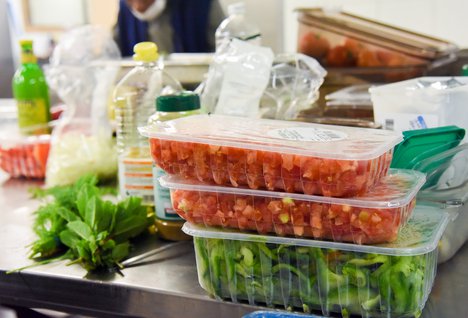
[(168, 107), (133, 99)]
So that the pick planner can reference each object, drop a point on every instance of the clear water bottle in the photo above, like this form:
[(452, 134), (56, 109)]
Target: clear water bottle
[(133, 101), (236, 26)]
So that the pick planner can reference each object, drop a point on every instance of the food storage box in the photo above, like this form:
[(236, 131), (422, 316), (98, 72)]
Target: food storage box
[(424, 102), (272, 154), (388, 280), (375, 217), (21, 155), (342, 40)]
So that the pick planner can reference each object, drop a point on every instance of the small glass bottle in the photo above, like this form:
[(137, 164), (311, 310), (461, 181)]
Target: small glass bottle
[(169, 107), (31, 93)]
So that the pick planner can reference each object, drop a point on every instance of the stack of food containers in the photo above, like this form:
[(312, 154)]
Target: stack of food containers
[(310, 181)]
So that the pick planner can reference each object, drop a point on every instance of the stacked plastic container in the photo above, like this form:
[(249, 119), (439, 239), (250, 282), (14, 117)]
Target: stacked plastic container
[(311, 188)]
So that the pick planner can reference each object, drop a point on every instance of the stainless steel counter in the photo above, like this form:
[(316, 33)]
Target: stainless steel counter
[(164, 285)]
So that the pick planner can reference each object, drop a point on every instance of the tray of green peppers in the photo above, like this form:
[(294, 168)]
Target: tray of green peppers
[(391, 279)]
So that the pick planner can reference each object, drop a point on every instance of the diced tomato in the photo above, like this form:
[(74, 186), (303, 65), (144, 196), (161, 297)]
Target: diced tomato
[(27, 160), (269, 170), (298, 218)]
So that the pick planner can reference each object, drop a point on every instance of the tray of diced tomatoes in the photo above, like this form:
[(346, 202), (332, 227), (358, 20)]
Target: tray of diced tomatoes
[(373, 218), (273, 155)]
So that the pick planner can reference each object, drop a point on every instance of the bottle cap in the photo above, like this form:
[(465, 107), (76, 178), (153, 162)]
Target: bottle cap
[(181, 102), (464, 70), (145, 52), (236, 8), (27, 54)]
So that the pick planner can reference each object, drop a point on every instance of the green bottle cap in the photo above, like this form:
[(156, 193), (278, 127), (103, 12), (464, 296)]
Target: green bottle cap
[(181, 102), (464, 71)]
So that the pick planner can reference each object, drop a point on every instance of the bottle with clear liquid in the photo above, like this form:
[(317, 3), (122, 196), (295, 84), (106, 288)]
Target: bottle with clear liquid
[(168, 107), (236, 26), (133, 99)]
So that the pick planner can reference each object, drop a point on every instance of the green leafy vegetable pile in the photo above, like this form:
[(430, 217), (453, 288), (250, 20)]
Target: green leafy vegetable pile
[(79, 225), (370, 285)]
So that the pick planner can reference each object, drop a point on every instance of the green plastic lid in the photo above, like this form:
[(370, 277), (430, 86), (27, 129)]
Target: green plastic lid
[(181, 102), (421, 144)]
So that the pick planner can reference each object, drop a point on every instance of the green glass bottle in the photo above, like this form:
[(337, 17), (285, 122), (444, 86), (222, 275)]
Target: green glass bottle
[(31, 93)]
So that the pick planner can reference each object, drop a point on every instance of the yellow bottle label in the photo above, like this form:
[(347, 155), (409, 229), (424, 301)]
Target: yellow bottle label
[(33, 116)]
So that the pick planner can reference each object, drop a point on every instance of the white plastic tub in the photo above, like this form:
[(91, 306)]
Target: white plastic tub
[(423, 102)]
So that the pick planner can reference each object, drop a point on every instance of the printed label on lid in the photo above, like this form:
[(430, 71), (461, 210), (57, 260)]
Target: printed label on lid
[(307, 134)]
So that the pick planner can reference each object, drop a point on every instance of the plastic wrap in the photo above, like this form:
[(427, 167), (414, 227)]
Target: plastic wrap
[(82, 143), (294, 85)]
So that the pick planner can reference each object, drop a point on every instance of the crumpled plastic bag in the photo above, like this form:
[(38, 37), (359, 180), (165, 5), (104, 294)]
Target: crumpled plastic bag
[(80, 74), (243, 80), (447, 188), (236, 79), (294, 85)]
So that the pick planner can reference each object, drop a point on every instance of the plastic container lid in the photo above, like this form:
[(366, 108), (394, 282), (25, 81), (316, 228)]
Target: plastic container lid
[(420, 236), (182, 102), (298, 138), (278, 314), (396, 189), (377, 33), (421, 144)]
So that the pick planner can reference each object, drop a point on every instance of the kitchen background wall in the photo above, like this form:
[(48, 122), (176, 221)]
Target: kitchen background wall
[(276, 18)]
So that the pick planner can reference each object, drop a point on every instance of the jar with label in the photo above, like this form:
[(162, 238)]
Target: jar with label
[(31, 93), (168, 107)]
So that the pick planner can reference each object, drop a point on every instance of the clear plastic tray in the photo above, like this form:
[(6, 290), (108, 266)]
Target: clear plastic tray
[(272, 154), (389, 280), (21, 155), (373, 218)]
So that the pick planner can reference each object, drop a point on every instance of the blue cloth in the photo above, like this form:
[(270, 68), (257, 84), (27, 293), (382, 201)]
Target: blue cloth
[(131, 30), (189, 19)]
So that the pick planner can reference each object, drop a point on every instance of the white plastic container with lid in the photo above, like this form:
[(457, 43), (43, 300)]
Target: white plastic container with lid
[(273, 154), (373, 218), (388, 280), (423, 102), (236, 26)]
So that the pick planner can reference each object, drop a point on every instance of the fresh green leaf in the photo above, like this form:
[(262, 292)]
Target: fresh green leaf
[(81, 229), (120, 251), (69, 238), (66, 214)]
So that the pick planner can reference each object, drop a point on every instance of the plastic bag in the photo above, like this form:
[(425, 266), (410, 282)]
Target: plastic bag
[(447, 177), (82, 142), (236, 79), (294, 85), (244, 81)]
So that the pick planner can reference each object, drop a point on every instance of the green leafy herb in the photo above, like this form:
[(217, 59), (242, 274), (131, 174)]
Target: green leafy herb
[(81, 226)]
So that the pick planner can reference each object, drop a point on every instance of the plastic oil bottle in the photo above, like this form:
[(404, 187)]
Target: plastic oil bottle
[(237, 26), (168, 107), (31, 93), (133, 99)]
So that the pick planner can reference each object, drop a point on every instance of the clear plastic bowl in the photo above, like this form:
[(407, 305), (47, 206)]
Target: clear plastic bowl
[(22, 155), (273, 154), (373, 218), (388, 280)]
